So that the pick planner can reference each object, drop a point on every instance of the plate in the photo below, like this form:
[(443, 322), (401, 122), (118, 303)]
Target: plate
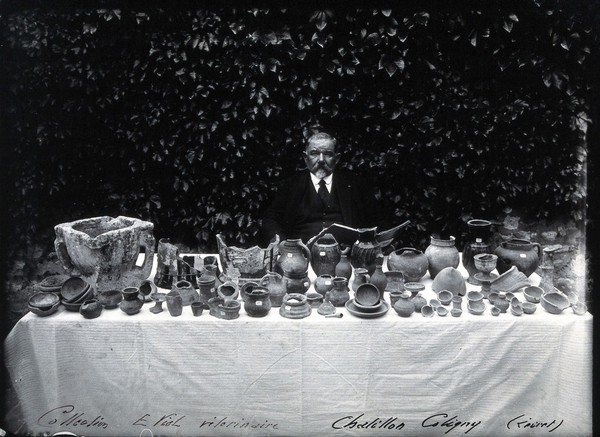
[(352, 309)]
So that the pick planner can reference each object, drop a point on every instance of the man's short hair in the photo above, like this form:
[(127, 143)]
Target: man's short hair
[(320, 136)]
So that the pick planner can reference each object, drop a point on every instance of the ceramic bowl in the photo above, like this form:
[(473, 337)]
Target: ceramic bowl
[(369, 309), (492, 297), (427, 311), (52, 283), (528, 307), (89, 294), (43, 301), (554, 303), (414, 287), (533, 294), (476, 307), (45, 312), (455, 312), (73, 289), (109, 298), (579, 308), (434, 303), (514, 301), (314, 299), (366, 295), (147, 287), (90, 309), (71, 306), (509, 296), (445, 297), (516, 310), (295, 306), (495, 311), (228, 291), (474, 296), (442, 311)]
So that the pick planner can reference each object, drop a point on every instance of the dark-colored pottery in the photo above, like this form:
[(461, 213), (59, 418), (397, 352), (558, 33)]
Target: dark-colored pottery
[(325, 255), (44, 301), (523, 254), (404, 306), (299, 283), (343, 267), (361, 276), (323, 284), (245, 264), (174, 303), (258, 303), (366, 250), (410, 261), (206, 290), (158, 299), (295, 306), (90, 309), (109, 298), (197, 308), (340, 293), (274, 283), (294, 257), (226, 310), (132, 301)]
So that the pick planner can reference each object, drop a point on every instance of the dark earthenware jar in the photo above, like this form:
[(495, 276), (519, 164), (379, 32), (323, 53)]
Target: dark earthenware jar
[(132, 301), (325, 255), (366, 250), (258, 303)]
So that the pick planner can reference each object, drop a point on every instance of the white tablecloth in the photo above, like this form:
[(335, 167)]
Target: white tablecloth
[(153, 374)]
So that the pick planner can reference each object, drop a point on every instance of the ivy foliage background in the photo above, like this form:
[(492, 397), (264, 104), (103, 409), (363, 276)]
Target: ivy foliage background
[(186, 117)]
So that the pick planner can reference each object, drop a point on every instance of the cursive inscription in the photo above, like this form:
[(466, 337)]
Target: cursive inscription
[(520, 423), (359, 422), (68, 416), (167, 420), (451, 423), (225, 422)]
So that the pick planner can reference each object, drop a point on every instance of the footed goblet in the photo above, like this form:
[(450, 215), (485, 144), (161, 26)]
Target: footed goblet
[(158, 299), (485, 263)]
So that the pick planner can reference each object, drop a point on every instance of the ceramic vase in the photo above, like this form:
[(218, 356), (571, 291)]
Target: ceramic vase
[(274, 283), (323, 284), (523, 254), (404, 305), (366, 250), (411, 262), (174, 303), (104, 250), (132, 301), (325, 255), (340, 293), (343, 268), (441, 253), (258, 303)]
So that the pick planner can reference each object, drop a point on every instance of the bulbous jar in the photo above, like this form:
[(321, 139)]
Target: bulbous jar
[(441, 253), (410, 261), (501, 302), (344, 268), (325, 254), (404, 306), (379, 280), (296, 283), (294, 257), (340, 293), (323, 284), (419, 302), (274, 283), (258, 303), (521, 253), (187, 291), (132, 301), (366, 250)]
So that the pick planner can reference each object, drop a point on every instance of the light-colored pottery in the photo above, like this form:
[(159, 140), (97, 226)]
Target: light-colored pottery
[(528, 307), (367, 294), (419, 302), (325, 255), (174, 303), (414, 287), (226, 310), (366, 250), (457, 302), (479, 231), (228, 291), (109, 298), (258, 303), (243, 264), (427, 311), (486, 264), (274, 283), (516, 310), (340, 293), (442, 311), (445, 297), (441, 253), (410, 261), (456, 312), (474, 296), (579, 308), (326, 308), (314, 299), (492, 297), (395, 295), (361, 276), (104, 250), (476, 307), (395, 281), (90, 309), (522, 254), (510, 280), (323, 284), (509, 296), (495, 311), (158, 299), (294, 257), (132, 301), (43, 300), (450, 279), (434, 303), (501, 302), (533, 294), (343, 267), (189, 294), (554, 303), (468, 261), (295, 306), (404, 306)]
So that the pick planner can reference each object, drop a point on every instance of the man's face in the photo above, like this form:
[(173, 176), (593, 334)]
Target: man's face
[(320, 158)]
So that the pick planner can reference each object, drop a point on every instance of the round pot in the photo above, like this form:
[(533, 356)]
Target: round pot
[(325, 255), (257, 302), (523, 254), (411, 262), (441, 253), (132, 301)]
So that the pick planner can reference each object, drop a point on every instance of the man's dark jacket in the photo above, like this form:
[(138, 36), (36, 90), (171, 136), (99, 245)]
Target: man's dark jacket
[(356, 199)]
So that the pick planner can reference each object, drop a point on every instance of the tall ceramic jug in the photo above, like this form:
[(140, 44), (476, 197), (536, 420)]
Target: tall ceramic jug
[(521, 253), (441, 253), (366, 250), (410, 261), (325, 254), (274, 283), (104, 250), (294, 257)]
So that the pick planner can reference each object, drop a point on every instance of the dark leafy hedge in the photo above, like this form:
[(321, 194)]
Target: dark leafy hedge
[(186, 117)]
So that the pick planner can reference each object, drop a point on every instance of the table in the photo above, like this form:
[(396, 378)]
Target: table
[(153, 374)]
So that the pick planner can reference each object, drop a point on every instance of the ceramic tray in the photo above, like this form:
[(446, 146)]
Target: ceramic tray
[(352, 309)]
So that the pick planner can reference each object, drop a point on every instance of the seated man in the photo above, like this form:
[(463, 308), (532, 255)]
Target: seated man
[(318, 197)]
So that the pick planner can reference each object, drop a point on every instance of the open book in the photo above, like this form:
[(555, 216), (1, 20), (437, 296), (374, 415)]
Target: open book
[(347, 235)]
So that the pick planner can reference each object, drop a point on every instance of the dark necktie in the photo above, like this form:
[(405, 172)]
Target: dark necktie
[(322, 192)]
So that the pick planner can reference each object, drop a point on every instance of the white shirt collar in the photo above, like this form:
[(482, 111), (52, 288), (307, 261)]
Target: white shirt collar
[(328, 180)]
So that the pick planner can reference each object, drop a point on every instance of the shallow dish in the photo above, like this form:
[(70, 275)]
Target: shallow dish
[(554, 303), (73, 289), (442, 311), (72, 306), (52, 283), (445, 297), (109, 298), (473, 296), (427, 311), (528, 307), (366, 295), (43, 300), (414, 287), (45, 312), (369, 309), (353, 309), (533, 294), (516, 310), (476, 307)]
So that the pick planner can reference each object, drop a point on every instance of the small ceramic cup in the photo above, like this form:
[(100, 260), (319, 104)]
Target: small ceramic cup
[(197, 308)]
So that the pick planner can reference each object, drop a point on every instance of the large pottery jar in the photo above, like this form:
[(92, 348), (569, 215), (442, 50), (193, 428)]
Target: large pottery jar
[(132, 301), (441, 253), (325, 254), (258, 303), (323, 284), (104, 250), (366, 250), (411, 262), (479, 234), (523, 254), (274, 283), (293, 283), (294, 257), (340, 293)]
